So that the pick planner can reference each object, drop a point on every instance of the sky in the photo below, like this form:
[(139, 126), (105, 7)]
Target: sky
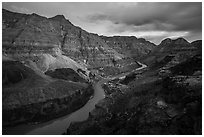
[(152, 21)]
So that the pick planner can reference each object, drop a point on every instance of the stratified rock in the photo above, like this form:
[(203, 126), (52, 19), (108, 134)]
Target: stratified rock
[(130, 46), (25, 36), (177, 50)]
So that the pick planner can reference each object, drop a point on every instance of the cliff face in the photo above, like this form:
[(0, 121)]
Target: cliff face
[(178, 50), (177, 46), (29, 35), (129, 46)]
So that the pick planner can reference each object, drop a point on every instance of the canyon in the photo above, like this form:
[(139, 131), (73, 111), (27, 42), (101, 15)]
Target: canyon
[(49, 64), (52, 69)]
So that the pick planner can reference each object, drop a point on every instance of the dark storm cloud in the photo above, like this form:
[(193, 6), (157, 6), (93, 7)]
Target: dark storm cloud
[(161, 16)]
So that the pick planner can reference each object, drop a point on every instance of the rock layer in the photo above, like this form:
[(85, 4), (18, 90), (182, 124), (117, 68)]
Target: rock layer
[(130, 46), (30, 35)]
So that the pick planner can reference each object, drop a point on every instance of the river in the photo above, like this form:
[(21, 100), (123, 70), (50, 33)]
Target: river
[(60, 125)]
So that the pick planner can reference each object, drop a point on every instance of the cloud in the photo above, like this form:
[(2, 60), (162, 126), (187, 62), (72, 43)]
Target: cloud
[(97, 17), (22, 10), (153, 21), (163, 16)]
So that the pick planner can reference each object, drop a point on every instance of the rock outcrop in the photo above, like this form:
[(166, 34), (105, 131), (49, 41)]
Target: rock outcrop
[(178, 50), (130, 46)]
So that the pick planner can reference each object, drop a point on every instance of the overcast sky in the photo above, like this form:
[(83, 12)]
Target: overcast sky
[(153, 21)]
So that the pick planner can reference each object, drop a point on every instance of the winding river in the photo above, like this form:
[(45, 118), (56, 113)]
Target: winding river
[(59, 125)]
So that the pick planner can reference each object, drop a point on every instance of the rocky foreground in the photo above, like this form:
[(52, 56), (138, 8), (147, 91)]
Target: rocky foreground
[(149, 104), (30, 97), (163, 99)]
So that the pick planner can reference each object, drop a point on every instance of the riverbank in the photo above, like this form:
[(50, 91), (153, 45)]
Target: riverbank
[(152, 103), (45, 111), (32, 98), (58, 126)]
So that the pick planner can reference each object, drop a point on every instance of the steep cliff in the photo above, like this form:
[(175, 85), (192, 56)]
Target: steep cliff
[(26, 36), (130, 46)]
